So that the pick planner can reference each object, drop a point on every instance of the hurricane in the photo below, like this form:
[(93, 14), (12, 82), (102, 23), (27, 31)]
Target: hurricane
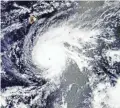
[(60, 54)]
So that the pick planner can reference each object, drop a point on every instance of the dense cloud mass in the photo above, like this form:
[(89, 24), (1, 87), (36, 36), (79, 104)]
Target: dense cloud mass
[(60, 54)]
